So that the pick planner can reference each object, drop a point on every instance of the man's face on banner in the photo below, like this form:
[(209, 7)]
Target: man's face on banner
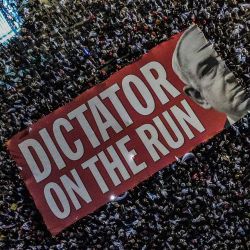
[(209, 81)]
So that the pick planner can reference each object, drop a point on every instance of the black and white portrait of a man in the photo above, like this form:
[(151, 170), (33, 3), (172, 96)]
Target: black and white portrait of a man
[(207, 79)]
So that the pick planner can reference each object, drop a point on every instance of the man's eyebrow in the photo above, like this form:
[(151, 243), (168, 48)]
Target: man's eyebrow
[(204, 46)]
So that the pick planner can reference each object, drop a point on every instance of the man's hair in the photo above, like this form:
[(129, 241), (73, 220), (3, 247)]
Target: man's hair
[(197, 41)]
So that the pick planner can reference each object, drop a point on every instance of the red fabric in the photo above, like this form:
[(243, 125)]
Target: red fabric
[(211, 120)]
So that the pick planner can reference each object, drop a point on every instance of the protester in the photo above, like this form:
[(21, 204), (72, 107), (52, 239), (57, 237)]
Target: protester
[(65, 47)]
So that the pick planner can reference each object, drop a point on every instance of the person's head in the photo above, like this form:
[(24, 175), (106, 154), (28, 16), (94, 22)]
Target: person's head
[(208, 80)]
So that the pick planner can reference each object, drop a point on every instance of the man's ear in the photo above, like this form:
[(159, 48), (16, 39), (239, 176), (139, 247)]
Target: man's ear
[(196, 96)]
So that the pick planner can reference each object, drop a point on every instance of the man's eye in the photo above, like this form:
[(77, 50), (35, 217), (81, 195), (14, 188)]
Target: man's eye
[(207, 70), (209, 67)]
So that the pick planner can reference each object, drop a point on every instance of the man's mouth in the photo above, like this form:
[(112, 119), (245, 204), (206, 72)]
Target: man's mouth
[(242, 99), (240, 93)]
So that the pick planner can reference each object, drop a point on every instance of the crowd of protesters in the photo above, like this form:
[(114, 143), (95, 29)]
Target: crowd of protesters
[(65, 47)]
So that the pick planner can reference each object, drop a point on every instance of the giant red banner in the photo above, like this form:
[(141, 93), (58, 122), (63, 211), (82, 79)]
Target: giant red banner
[(112, 137)]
